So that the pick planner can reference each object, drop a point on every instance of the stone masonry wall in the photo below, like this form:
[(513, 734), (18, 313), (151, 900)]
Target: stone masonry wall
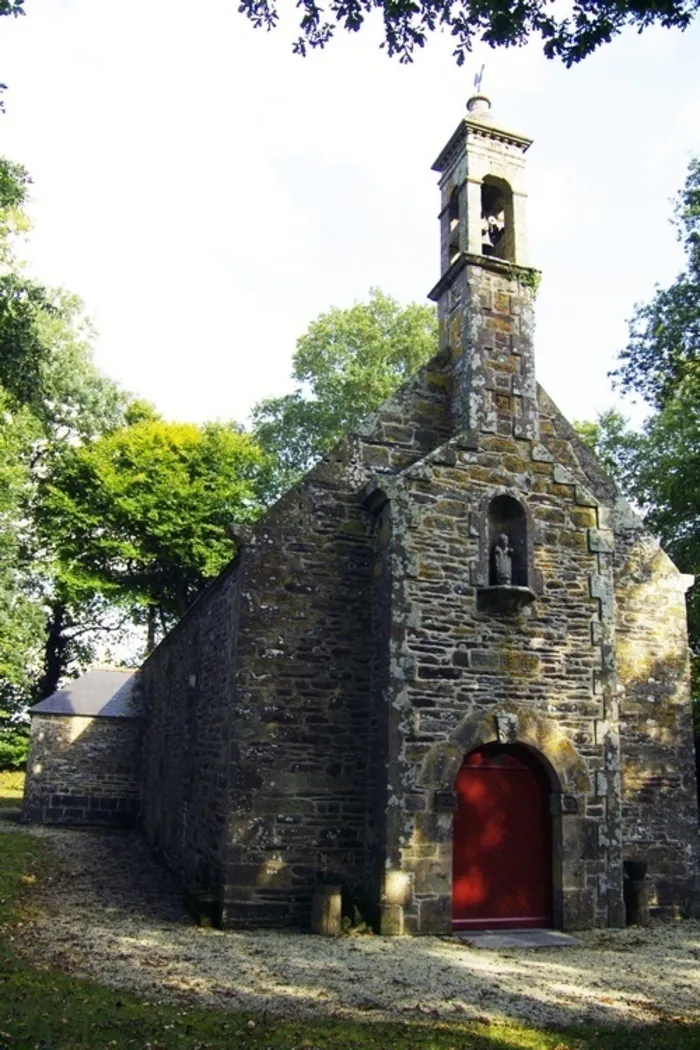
[(304, 773), (465, 677), (83, 771), (310, 714), (660, 813), (659, 792), (299, 709), (187, 688), (300, 761), (381, 723)]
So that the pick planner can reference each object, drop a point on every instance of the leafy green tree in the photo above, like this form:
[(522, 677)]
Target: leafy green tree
[(615, 444), (345, 365), (45, 338), (659, 468), (22, 352), (141, 515), (661, 363), (569, 33), (666, 485), (663, 352), (21, 614), (14, 185), (50, 394)]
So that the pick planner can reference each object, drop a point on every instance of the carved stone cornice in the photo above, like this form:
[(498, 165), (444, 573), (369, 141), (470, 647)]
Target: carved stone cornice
[(486, 262), (470, 127)]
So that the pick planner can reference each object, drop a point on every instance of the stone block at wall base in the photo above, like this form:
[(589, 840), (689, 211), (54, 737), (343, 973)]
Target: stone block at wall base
[(436, 916), (203, 905), (391, 920), (79, 811), (616, 912), (578, 909), (250, 914), (676, 899)]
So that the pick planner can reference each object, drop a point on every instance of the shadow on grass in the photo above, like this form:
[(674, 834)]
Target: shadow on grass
[(123, 920), (50, 1010)]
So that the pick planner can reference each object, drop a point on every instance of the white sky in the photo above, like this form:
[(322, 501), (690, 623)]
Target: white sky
[(208, 193)]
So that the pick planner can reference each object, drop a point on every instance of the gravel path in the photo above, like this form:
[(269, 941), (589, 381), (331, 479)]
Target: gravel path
[(108, 912)]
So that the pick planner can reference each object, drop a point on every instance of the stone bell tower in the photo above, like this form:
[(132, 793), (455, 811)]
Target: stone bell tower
[(486, 286)]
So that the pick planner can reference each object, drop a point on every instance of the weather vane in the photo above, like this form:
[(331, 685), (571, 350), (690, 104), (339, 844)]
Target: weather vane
[(477, 80)]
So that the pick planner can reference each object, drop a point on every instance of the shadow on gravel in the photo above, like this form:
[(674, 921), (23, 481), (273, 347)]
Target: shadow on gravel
[(108, 911)]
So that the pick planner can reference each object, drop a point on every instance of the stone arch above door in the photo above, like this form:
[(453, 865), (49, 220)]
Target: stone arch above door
[(507, 724)]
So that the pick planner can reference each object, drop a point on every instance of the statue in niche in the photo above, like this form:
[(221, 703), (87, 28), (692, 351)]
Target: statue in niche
[(503, 560)]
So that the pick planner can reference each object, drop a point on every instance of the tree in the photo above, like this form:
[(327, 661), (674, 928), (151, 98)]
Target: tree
[(661, 363), (345, 365), (9, 7), (659, 468), (615, 444), (50, 394), (108, 515), (568, 33), (663, 351), (21, 614), (141, 516), (22, 352)]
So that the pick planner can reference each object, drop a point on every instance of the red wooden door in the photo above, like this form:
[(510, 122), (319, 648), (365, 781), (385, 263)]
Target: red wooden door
[(502, 854)]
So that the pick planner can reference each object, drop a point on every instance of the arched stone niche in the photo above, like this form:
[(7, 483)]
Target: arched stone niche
[(506, 521), (504, 573), (497, 226)]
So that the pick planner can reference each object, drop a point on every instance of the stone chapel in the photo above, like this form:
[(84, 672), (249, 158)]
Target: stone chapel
[(448, 670)]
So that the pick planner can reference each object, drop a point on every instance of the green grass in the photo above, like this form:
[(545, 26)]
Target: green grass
[(11, 791), (46, 1010)]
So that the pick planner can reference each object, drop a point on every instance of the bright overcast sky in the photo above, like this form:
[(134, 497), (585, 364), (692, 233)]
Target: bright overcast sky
[(208, 193)]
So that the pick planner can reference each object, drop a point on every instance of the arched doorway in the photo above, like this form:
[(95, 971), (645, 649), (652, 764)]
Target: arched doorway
[(502, 851)]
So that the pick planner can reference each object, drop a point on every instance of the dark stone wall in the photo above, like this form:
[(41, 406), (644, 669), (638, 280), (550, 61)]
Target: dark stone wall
[(83, 771), (306, 749), (187, 685), (258, 774), (300, 758), (380, 724)]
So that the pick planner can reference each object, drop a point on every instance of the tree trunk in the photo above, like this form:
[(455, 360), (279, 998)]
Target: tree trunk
[(55, 651), (151, 635)]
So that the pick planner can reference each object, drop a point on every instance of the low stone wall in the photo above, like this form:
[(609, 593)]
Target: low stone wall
[(83, 770)]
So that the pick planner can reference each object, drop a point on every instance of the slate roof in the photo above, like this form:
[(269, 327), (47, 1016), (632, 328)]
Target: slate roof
[(100, 693)]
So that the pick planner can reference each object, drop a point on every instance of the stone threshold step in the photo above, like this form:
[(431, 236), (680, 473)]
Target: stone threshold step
[(497, 939)]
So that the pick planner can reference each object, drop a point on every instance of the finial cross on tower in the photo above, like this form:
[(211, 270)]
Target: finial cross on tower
[(478, 79)]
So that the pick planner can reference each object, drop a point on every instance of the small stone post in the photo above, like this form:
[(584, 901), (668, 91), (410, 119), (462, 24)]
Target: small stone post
[(326, 911), (635, 893)]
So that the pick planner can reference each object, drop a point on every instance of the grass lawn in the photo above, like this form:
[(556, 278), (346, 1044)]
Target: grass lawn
[(46, 1010), (11, 790)]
